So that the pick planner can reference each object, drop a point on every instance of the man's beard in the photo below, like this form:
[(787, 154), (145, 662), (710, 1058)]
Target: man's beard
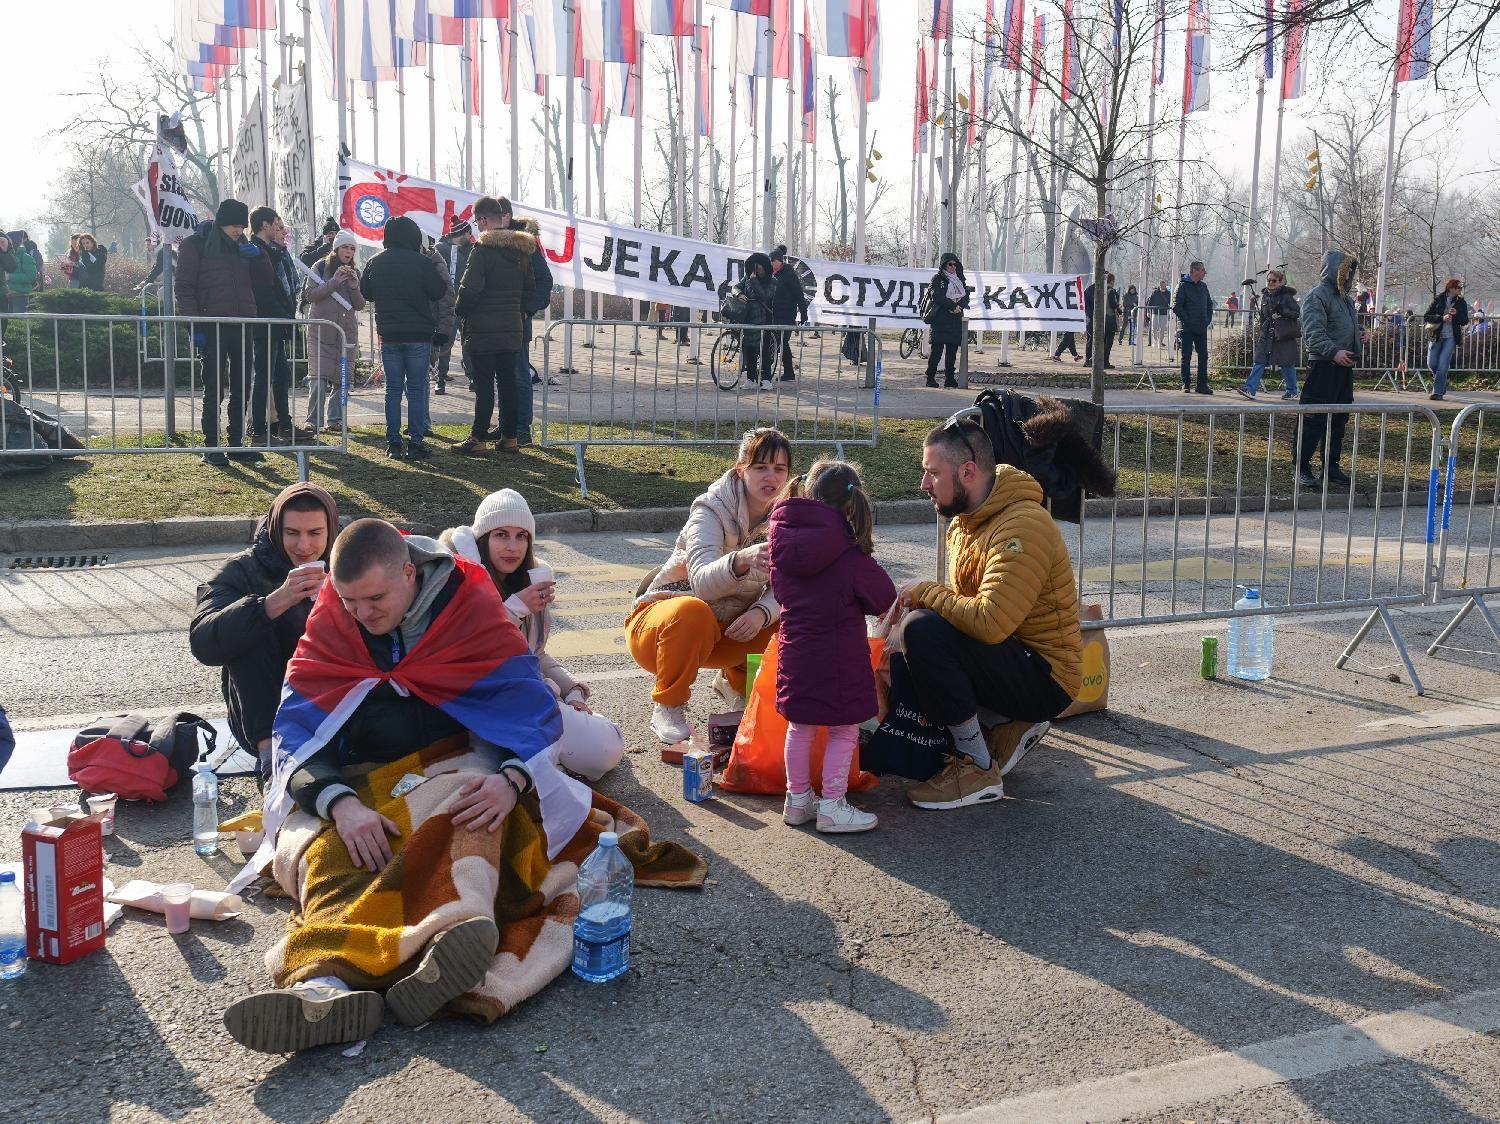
[(959, 505)]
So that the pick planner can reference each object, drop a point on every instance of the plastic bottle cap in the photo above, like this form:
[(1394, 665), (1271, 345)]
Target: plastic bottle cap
[(608, 839), (7, 876)]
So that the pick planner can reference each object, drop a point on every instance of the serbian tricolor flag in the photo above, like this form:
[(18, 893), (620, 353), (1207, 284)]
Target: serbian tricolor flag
[(1414, 41), (591, 105), (664, 17), (843, 28), (422, 21), (608, 28), (1069, 81), (473, 664), (924, 108), (470, 9), (1038, 52), (630, 88), (1159, 45), (809, 85), (1196, 61), (936, 18), (1014, 34), (703, 101), (239, 13), (1291, 60)]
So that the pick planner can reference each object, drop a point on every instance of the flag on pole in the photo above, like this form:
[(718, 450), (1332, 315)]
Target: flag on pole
[(1196, 59), (781, 32), (1414, 41), (629, 77), (1159, 45), (924, 106), (1291, 59), (937, 18), (751, 55), (470, 9), (258, 14), (545, 26), (1069, 83), (591, 105), (748, 7), (973, 134), (608, 28), (1268, 60), (1014, 34), (703, 107), (416, 20), (868, 60), (664, 17), (809, 85), (1038, 52), (843, 28)]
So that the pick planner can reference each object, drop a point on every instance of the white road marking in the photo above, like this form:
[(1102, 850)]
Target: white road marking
[(1398, 1034)]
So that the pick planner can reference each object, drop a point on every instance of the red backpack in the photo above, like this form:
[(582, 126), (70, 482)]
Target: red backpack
[(136, 758)]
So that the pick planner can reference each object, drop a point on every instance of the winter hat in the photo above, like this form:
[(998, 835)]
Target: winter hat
[(330, 227), (778, 254), (457, 228), (232, 212), (344, 238), (505, 508)]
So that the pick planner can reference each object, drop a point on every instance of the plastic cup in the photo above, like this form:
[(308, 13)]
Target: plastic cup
[(177, 905), (104, 802), (540, 573)]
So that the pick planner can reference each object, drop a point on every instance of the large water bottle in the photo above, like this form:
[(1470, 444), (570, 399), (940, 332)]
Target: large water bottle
[(205, 807), (1251, 640), (12, 928), (601, 935)]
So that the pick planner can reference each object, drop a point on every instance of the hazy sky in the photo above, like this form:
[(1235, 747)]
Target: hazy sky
[(49, 59)]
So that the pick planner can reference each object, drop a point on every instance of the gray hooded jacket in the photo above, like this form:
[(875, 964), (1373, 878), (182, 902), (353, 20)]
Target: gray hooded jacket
[(1328, 322)]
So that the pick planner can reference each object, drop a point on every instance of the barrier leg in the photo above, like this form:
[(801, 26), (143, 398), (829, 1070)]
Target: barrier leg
[(1474, 602), (1383, 615), (302, 465), (583, 484)]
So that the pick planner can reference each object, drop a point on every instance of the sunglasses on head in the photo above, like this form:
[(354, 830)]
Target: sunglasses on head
[(966, 430)]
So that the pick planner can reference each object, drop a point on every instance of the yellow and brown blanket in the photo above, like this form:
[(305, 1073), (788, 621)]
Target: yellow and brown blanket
[(370, 929)]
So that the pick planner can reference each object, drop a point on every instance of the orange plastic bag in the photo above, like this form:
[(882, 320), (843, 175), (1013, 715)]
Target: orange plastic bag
[(758, 760)]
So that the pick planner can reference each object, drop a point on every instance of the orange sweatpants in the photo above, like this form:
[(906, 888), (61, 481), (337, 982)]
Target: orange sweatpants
[(675, 637)]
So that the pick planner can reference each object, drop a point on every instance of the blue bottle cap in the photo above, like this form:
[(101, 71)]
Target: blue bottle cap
[(608, 839), (7, 876)]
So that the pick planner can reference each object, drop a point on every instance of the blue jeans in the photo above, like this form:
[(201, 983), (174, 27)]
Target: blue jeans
[(523, 396), (1288, 377), (405, 370), (1439, 359)]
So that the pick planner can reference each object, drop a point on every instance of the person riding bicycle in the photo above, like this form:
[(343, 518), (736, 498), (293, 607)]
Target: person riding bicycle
[(759, 289)]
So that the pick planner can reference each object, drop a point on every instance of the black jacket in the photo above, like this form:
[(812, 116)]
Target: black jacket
[(946, 327), (88, 273), (1132, 301), (1159, 301), (1434, 315), (492, 294), (788, 298), (1111, 309), (1194, 305), (403, 283), (230, 630), (275, 295), (315, 252)]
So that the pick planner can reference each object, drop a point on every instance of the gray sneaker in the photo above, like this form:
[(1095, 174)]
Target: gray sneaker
[(455, 961), (304, 1016)]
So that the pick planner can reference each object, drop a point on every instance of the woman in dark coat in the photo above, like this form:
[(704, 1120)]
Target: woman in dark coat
[(950, 297), (88, 267), (1278, 337), (1445, 319), (759, 288)]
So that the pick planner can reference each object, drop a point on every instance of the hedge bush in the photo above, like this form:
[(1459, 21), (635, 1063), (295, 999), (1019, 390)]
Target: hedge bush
[(51, 353)]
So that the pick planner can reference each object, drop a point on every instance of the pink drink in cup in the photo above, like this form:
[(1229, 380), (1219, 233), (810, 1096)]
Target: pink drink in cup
[(177, 905)]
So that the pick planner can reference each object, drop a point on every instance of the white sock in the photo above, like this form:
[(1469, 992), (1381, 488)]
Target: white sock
[(968, 739), (328, 981)]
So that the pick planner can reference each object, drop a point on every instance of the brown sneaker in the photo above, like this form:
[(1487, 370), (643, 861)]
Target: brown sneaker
[(469, 447), (959, 784), (509, 445), (1011, 741)]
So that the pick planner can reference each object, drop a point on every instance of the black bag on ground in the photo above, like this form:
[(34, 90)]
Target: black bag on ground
[(905, 743), (853, 347), (1055, 441)]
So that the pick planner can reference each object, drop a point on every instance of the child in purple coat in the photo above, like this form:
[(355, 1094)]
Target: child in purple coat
[(825, 581)]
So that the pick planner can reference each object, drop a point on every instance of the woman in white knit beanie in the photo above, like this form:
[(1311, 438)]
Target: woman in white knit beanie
[(501, 539)]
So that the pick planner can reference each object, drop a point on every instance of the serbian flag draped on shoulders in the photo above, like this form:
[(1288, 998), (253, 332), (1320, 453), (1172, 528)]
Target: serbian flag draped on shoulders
[(472, 663)]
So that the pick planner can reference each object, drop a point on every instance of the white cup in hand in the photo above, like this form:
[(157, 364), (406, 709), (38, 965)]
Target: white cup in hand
[(540, 573)]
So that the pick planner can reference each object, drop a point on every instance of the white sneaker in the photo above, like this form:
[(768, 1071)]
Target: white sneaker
[(837, 817), (732, 698), (800, 807), (670, 723)]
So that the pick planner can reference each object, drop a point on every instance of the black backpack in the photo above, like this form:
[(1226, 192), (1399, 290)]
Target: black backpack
[(1056, 442)]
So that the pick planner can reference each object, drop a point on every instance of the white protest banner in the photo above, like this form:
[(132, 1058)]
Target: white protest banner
[(172, 216), (647, 265), (291, 161), (247, 161)]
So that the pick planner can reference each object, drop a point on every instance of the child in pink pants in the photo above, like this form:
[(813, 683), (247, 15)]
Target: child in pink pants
[(825, 581)]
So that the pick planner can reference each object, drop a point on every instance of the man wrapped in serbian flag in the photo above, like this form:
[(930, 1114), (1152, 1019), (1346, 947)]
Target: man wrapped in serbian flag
[(415, 812)]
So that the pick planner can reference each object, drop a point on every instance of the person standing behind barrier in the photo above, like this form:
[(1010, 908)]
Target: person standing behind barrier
[(788, 306), (21, 279), (1331, 340), (319, 248), (454, 248), (826, 582), (1158, 304), (710, 604), (1278, 337), (444, 310), (1194, 306), (1128, 313), (490, 299), (1111, 320), (501, 539), (950, 297), (213, 279), (88, 266), (1445, 319), (536, 297), (759, 290), (333, 277), (8, 265), (277, 287), (403, 283)]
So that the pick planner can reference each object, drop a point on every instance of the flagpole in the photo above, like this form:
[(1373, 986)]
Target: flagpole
[(465, 101), (1148, 219), (790, 240), (1172, 279), (265, 117), (569, 110), (484, 181), (732, 233), (950, 153), (768, 188), (862, 108), (340, 78), (679, 148), (756, 198), (1260, 106), (431, 104), (401, 116), (1271, 243), (515, 120), (911, 215), (812, 183), (695, 224), (1385, 206), (638, 131), (283, 43), (929, 210), (375, 121)]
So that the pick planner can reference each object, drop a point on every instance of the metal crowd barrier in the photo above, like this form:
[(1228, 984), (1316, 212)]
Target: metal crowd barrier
[(1467, 565), (164, 384), (686, 383), (1209, 502)]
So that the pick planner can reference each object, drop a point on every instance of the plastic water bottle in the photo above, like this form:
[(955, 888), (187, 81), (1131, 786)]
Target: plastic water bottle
[(12, 928), (205, 807), (601, 935), (1251, 640)]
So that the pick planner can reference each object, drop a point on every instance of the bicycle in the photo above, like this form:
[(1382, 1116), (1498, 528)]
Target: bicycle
[(724, 360), (911, 342)]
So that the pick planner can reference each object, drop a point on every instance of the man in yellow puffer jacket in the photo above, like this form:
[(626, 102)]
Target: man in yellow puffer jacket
[(1002, 638)]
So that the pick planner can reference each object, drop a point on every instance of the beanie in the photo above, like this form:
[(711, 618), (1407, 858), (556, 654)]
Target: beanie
[(330, 227), (505, 508), (344, 238), (778, 254), (232, 212)]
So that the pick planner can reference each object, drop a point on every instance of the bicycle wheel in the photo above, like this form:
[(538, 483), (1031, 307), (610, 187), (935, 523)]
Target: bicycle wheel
[(911, 339), (724, 362)]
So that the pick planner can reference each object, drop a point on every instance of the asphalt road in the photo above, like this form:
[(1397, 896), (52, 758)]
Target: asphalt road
[(1216, 901)]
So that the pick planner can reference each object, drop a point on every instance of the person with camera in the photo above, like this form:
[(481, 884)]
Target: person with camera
[(1445, 319)]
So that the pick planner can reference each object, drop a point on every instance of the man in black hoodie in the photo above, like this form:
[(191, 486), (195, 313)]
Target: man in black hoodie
[(404, 283), (251, 613), (788, 306)]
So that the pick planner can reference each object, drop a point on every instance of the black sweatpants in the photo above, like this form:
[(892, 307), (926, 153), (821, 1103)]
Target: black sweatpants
[(949, 354), (955, 675), (1326, 382), (1194, 339), (1068, 343)]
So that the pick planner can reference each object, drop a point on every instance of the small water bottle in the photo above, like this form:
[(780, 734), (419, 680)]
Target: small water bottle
[(12, 928), (205, 807), (601, 935), (1251, 640)]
